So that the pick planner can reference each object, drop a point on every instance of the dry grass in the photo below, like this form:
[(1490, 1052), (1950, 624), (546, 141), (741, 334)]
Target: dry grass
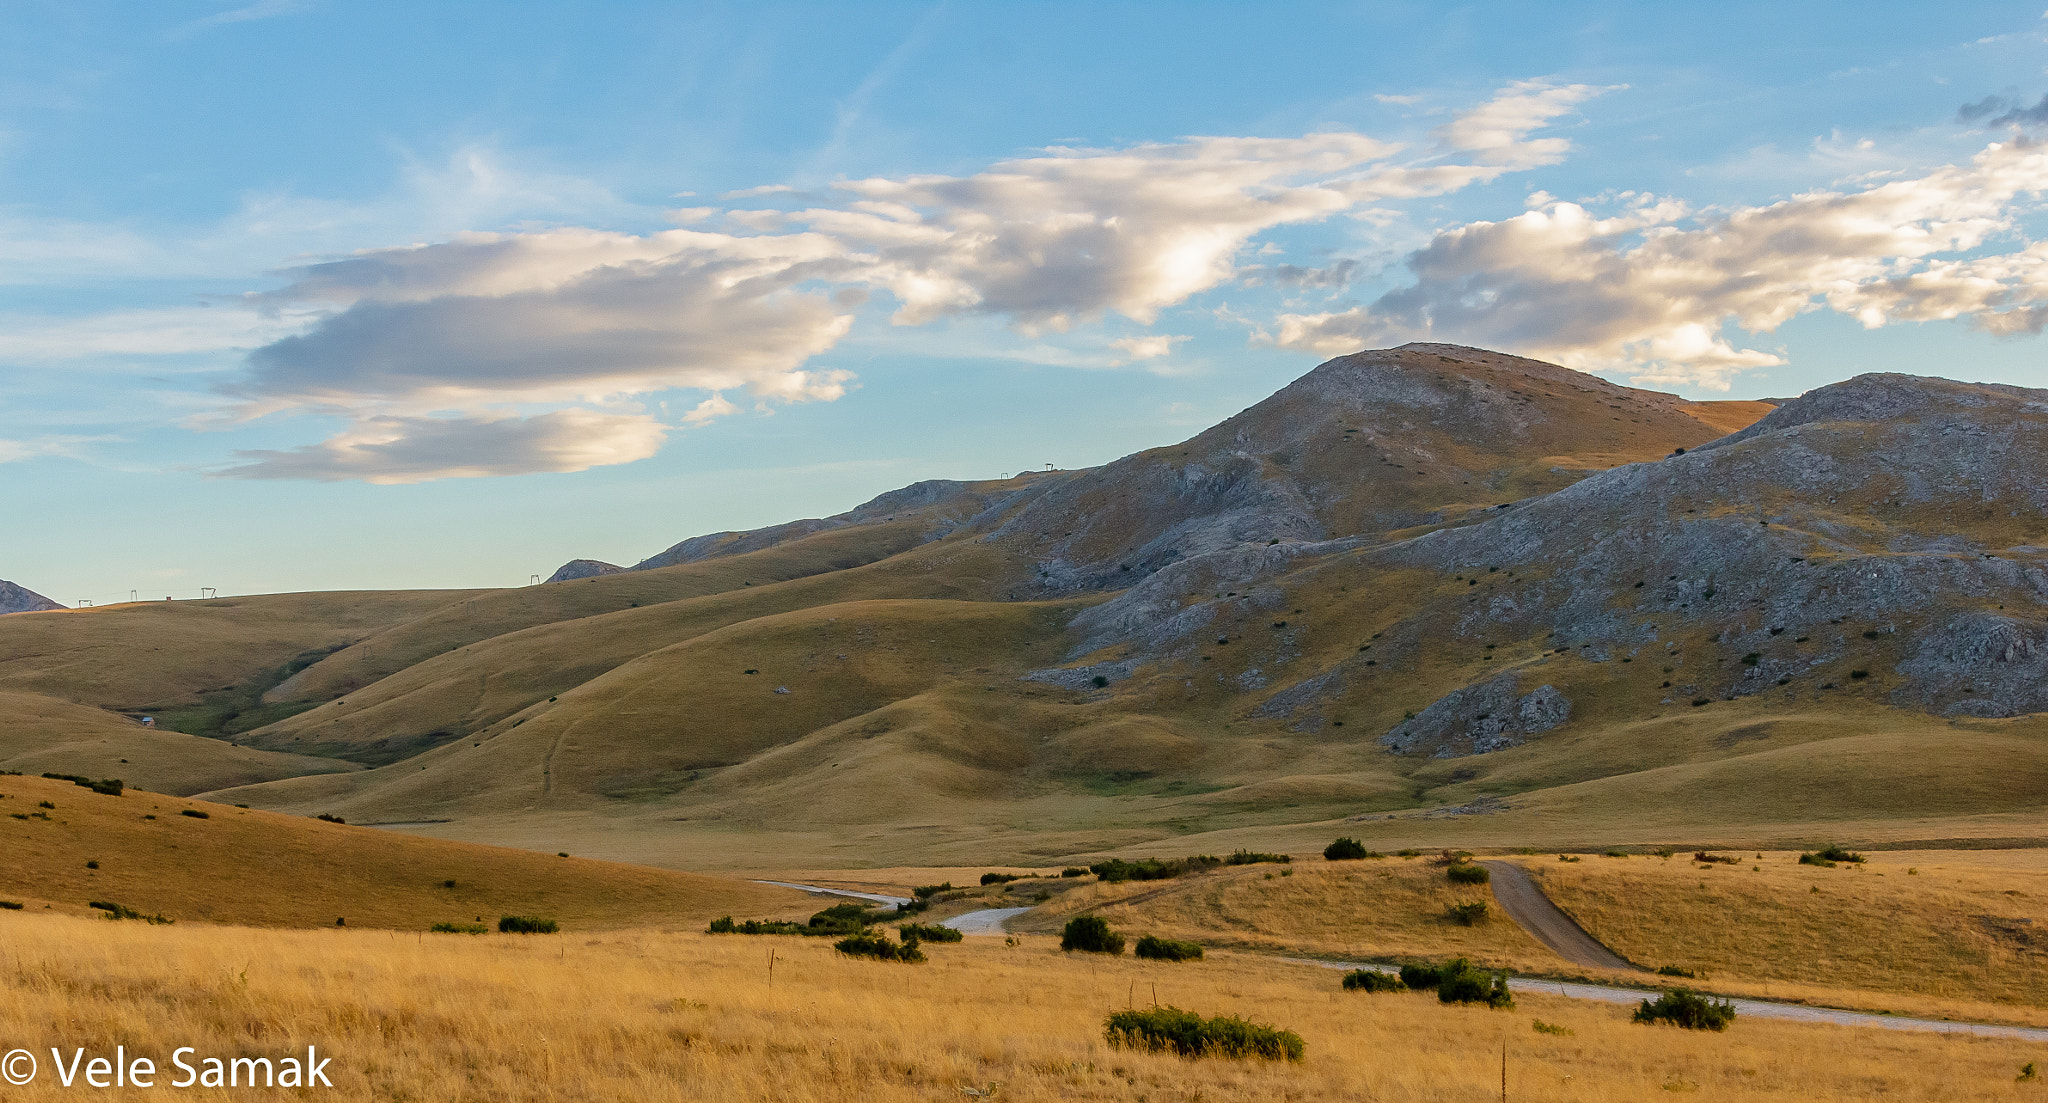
[(682, 1016), (265, 869), (1964, 928), (39, 734), (1388, 909)]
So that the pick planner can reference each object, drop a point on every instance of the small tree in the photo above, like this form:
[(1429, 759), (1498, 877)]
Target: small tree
[(1091, 934), (1345, 850)]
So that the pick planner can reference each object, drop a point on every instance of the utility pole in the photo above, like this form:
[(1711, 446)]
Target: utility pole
[(208, 591), (534, 581)]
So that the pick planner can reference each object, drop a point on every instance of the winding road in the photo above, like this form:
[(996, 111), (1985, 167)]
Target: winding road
[(1526, 905)]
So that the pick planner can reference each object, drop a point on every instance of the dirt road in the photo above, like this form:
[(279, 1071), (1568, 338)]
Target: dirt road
[(1526, 905)]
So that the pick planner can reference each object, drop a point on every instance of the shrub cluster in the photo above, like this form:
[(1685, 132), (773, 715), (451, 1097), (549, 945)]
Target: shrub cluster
[(1189, 1035), (457, 928), (327, 817), (1683, 1007), (1254, 857), (1117, 870), (526, 924), (1348, 850), (922, 932), (1467, 873), (1372, 980), (1456, 981), (1005, 878), (867, 944), (1091, 934), (195, 814), (1676, 971), (1073, 871), (1706, 858), (116, 911), (1828, 856), (11, 905), (1467, 915), (726, 925), (839, 919), (1166, 949), (111, 786)]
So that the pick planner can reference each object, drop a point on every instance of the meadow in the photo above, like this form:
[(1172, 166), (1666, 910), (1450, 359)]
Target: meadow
[(678, 1015)]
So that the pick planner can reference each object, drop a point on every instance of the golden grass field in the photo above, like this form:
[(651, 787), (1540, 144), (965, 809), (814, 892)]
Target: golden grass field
[(257, 868), (675, 1015)]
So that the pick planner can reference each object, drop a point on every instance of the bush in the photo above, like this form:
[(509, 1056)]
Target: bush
[(1467, 915), (1616, 852), (1705, 858), (526, 924), (11, 905), (1468, 874), (1682, 1007), (1117, 870), (116, 911), (912, 907), (1189, 1035), (1372, 980), (1002, 878), (1166, 949), (755, 926), (1345, 850), (879, 948), (1091, 934), (1675, 971), (926, 892), (328, 818), (923, 932), (457, 928), (108, 786), (1472, 986), (195, 814), (1456, 981), (1073, 871), (1253, 857), (1833, 853)]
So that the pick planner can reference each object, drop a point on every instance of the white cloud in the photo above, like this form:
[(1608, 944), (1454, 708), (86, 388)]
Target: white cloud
[(416, 449), (1149, 347), (426, 349), (43, 339), (1649, 291), (12, 451), (261, 9)]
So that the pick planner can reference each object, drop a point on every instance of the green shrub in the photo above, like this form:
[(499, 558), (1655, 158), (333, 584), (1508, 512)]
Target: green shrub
[(1073, 871), (326, 817), (1116, 870), (1551, 1028), (457, 928), (1683, 1007), (526, 924), (923, 932), (1467, 915), (1372, 980), (1569, 858), (116, 911), (108, 786), (755, 926), (1815, 860), (1469, 985), (926, 892), (1406, 853), (195, 814), (1833, 853), (1616, 852), (1466, 873), (1254, 857), (1675, 971), (1345, 850), (11, 905), (1000, 878), (1456, 981), (1705, 858), (1189, 1035), (879, 948), (912, 907), (1091, 934), (1166, 949)]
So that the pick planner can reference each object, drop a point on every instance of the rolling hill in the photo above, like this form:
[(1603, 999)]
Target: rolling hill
[(1431, 591)]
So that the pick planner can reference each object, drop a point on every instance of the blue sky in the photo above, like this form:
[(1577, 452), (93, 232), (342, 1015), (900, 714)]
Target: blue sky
[(299, 294)]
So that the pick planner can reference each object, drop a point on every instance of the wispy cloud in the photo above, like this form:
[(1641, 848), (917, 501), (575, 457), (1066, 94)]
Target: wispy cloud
[(261, 9)]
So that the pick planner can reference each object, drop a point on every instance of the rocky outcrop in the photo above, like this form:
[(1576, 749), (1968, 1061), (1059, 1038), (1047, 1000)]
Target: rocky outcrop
[(17, 599), (1491, 716), (583, 568)]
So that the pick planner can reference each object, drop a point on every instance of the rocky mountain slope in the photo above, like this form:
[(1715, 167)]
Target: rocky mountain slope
[(1415, 582), (18, 599)]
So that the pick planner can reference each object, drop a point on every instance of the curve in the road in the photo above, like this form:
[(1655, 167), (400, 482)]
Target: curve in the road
[(871, 897), (1527, 906)]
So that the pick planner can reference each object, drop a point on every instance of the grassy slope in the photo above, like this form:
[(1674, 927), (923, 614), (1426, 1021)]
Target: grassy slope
[(668, 1018), (265, 869), (41, 734), (146, 656), (1959, 926)]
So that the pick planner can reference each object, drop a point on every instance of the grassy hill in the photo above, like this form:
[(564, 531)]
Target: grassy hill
[(256, 868)]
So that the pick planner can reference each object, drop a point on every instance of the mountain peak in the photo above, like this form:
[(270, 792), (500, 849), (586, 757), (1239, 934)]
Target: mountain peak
[(18, 599)]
